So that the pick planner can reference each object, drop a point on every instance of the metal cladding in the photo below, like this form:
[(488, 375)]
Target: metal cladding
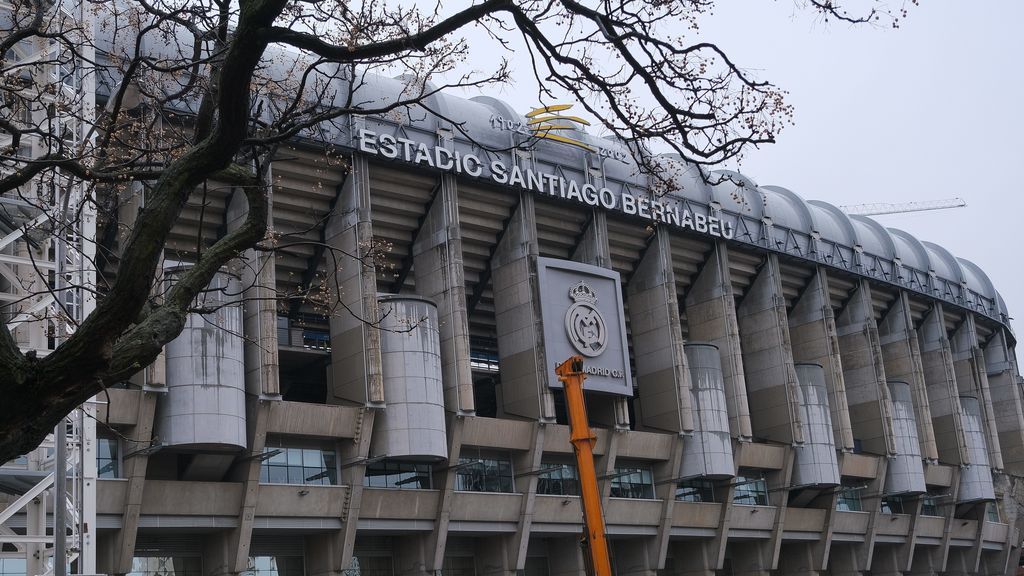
[(905, 473), (816, 463), (412, 425), (975, 477), (205, 403), (709, 452)]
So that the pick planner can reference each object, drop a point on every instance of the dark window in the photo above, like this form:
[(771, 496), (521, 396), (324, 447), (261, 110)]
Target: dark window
[(397, 474), (298, 466), (484, 475), (558, 480), (750, 488), (275, 566), (370, 566), (850, 496), (107, 461), (633, 483), (458, 566), (696, 490), (166, 566), (992, 512), (894, 505)]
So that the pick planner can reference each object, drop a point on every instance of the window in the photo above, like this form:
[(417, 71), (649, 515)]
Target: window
[(166, 566), (298, 466), (751, 488), (850, 496), (275, 566), (13, 567), (558, 480), (992, 512), (396, 474), (895, 505), (370, 566), (484, 475), (935, 501), (696, 490), (458, 566), (633, 483), (108, 464)]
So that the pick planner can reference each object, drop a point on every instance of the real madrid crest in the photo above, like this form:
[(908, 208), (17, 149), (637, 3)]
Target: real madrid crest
[(583, 322)]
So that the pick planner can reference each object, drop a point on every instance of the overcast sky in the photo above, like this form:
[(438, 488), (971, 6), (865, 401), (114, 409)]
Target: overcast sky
[(932, 110)]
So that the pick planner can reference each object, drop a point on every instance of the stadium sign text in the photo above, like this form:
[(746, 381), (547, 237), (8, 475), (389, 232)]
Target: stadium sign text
[(660, 210)]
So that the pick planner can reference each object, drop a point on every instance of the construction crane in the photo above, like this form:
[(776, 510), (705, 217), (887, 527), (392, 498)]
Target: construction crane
[(570, 373), (879, 208)]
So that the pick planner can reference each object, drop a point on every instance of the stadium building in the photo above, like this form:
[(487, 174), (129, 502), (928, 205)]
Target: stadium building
[(777, 387)]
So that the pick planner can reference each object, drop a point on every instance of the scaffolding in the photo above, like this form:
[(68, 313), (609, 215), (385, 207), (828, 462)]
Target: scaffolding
[(47, 249)]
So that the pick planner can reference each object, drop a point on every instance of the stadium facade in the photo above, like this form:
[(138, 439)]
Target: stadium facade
[(776, 387)]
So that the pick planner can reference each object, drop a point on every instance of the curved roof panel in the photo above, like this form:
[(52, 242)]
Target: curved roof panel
[(833, 224), (737, 193), (910, 251), (976, 279), (873, 237), (787, 208), (943, 263)]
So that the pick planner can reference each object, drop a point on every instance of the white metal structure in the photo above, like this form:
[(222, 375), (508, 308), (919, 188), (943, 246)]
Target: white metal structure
[(47, 249), (880, 208)]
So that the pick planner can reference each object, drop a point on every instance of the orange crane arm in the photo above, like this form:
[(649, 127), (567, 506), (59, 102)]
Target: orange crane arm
[(570, 373)]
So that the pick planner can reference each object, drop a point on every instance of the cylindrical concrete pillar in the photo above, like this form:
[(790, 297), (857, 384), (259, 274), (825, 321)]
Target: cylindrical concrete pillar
[(709, 452), (412, 425), (205, 404), (905, 473), (976, 477), (816, 463)]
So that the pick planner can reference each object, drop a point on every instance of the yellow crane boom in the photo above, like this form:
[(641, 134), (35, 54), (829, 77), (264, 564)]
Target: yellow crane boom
[(571, 374)]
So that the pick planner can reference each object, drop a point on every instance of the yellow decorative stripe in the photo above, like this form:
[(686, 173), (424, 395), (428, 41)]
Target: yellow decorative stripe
[(552, 108), (546, 136), (540, 119)]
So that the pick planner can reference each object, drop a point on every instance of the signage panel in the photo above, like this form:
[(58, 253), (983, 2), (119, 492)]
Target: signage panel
[(581, 307)]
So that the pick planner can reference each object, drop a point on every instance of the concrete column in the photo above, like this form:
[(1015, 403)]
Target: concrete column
[(798, 559), (750, 558), (661, 369), (524, 370), (528, 463), (943, 396), (865, 551), (935, 558), (772, 385), (437, 540), (901, 356), (333, 551), (135, 472), (693, 558), (665, 473), (262, 376), (812, 331), (565, 558), (972, 379), (410, 556), (257, 420), (711, 316), (593, 249), (355, 341), (632, 558), (778, 495), (440, 276), (259, 306), (493, 557), (863, 371), (1001, 368)]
